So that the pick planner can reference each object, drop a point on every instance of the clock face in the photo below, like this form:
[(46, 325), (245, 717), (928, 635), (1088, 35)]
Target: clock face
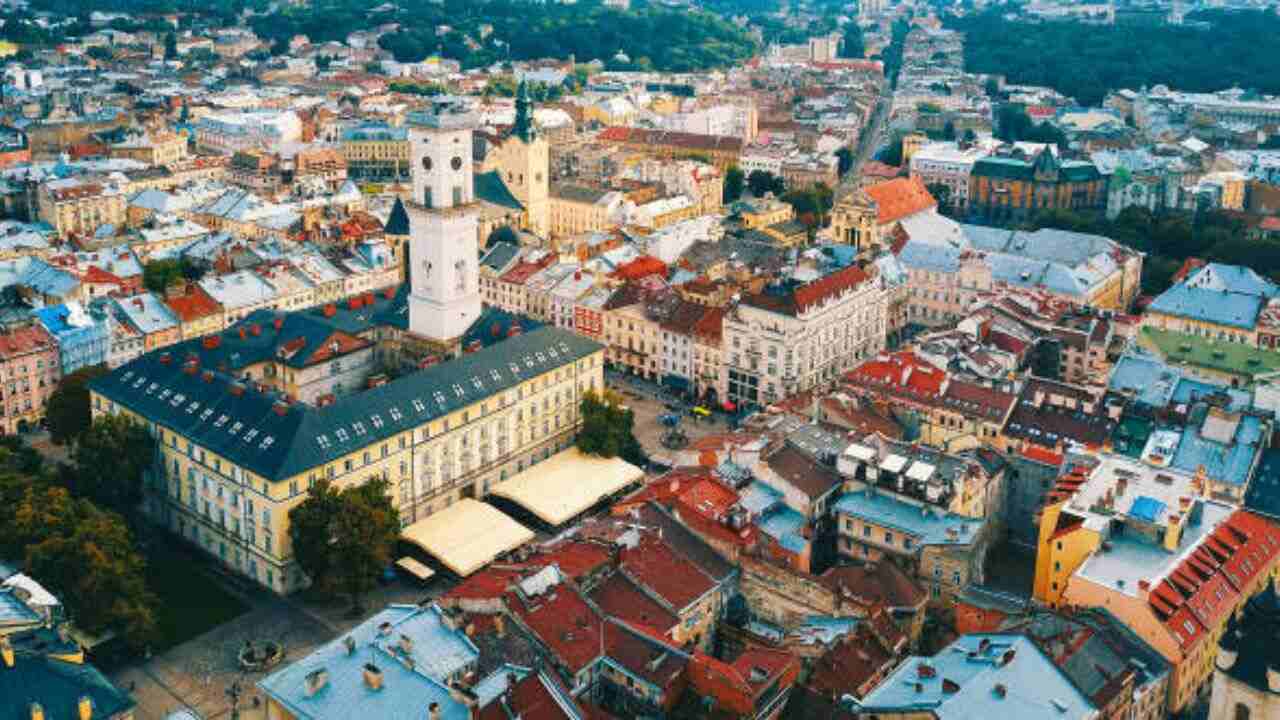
[(426, 163), (456, 162)]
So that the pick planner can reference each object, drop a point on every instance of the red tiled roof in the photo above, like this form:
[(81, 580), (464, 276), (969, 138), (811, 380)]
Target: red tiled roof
[(900, 197), (709, 497), (816, 292), (564, 622), (1042, 455), (193, 305), (641, 267), (654, 565), (486, 584), (575, 558), (530, 699), (901, 372), (23, 340), (620, 598)]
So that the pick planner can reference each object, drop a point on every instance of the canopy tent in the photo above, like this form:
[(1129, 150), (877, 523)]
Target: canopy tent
[(467, 535), (415, 568), (566, 484)]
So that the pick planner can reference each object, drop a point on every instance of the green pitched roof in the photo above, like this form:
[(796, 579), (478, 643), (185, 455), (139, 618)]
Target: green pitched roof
[(490, 188), (58, 687), (398, 222)]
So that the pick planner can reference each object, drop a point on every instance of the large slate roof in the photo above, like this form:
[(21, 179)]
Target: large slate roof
[(254, 430)]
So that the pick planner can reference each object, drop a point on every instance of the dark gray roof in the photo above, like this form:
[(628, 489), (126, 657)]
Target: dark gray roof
[(490, 188), (250, 429), (500, 256)]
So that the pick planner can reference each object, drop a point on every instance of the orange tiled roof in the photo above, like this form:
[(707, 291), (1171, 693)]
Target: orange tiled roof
[(900, 197)]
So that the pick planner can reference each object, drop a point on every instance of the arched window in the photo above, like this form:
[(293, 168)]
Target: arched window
[(1242, 711)]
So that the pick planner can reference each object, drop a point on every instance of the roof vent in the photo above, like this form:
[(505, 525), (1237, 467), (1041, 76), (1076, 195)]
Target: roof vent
[(372, 676), (1000, 690), (212, 341), (315, 681), (350, 644)]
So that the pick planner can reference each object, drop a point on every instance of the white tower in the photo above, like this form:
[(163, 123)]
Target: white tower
[(444, 299)]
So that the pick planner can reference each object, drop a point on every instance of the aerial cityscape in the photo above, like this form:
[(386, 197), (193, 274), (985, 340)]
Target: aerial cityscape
[(592, 359)]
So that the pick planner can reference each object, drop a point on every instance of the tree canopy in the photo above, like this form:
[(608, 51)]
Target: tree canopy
[(734, 181), (109, 459), (608, 428), (67, 411), (343, 539), (83, 554), (1238, 50), (160, 274), (761, 182)]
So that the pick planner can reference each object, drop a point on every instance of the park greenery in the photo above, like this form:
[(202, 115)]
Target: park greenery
[(343, 538), (1086, 61), (479, 34)]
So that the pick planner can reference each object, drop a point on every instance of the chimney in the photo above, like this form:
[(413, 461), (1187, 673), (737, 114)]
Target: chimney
[(316, 680), (6, 651), (405, 644), (433, 711), (500, 625), (256, 329), (1273, 678), (85, 708), (330, 310), (350, 644), (1000, 690), (278, 323), (372, 676), (281, 408), (212, 341), (37, 711)]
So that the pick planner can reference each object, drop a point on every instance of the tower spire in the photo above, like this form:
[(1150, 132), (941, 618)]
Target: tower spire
[(524, 127)]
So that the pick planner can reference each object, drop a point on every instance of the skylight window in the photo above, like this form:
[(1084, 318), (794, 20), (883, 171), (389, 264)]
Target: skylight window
[(496, 377), (165, 395), (323, 441), (396, 414), (205, 415), (476, 382), (236, 428), (342, 434), (528, 361), (419, 405), (177, 399), (359, 428), (457, 390), (192, 407), (439, 397), (152, 388), (249, 436), (515, 369), (222, 420), (266, 442), (376, 420)]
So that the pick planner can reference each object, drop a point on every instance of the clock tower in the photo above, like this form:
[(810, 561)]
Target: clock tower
[(444, 297)]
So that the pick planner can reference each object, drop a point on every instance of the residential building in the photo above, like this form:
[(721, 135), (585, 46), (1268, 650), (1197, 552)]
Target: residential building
[(1147, 545), (83, 336), (723, 151), (29, 371), (376, 153), (80, 207), (983, 675), (229, 132), (792, 337)]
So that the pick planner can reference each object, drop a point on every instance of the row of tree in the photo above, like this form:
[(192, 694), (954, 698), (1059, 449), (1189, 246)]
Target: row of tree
[(1169, 239)]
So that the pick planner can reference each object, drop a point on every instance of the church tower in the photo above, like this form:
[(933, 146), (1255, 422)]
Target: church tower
[(444, 297), (525, 165)]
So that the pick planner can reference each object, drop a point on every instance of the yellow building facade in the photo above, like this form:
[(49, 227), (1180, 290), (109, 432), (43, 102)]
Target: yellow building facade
[(443, 448)]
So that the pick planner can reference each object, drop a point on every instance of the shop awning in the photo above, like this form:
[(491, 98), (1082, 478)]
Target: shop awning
[(566, 484), (415, 568), (467, 535)]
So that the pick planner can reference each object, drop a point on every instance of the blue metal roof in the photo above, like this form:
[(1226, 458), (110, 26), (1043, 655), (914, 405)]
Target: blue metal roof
[(928, 526), (784, 525), (917, 255), (408, 688), (1225, 463), (1032, 686)]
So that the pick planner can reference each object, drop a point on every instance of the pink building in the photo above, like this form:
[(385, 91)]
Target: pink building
[(29, 370)]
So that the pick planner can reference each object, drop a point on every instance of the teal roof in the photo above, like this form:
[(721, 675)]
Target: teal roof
[(57, 686), (274, 442), (398, 222), (490, 188)]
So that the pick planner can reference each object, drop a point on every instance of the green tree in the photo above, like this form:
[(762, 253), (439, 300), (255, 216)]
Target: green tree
[(366, 529), (852, 45), (312, 534), (733, 184), (941, 193), (608, 428), (119, 443), (502, 234), (67, 411), (761, 182), (844, 161), (344, 539), (84, 555), (160, 274)]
